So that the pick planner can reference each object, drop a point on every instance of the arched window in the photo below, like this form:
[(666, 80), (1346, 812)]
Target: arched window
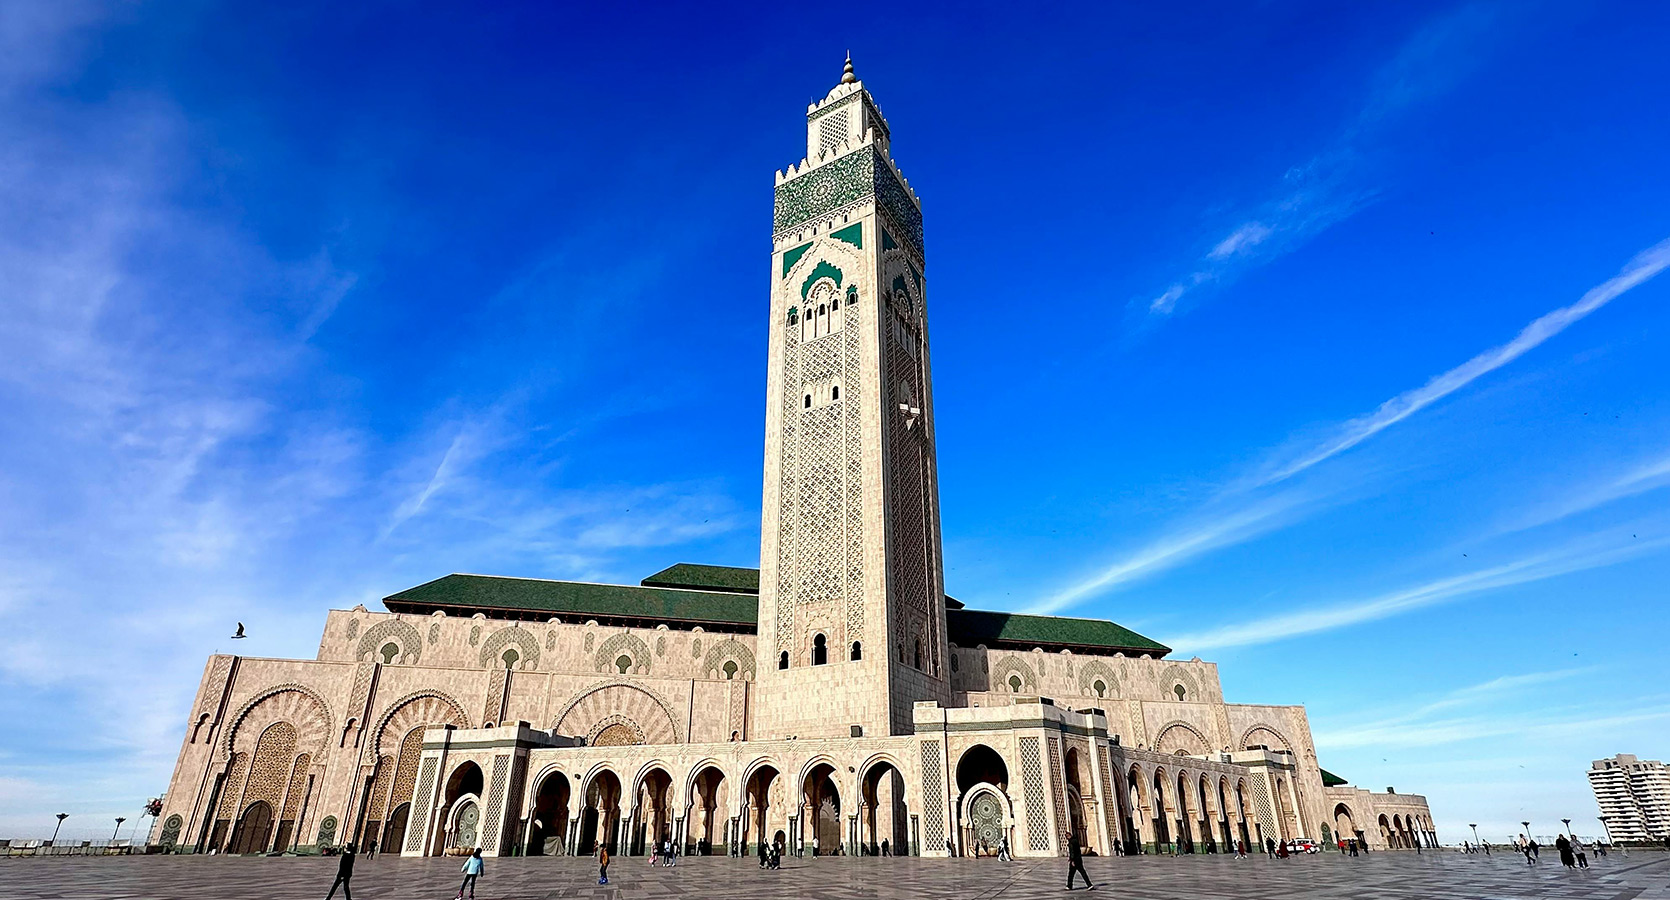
[(204, 720), (852, 294), (390, 652), (835, 392), (1180, 691), (510, 657), (857, 651), (820, 651), (918, 661), (623, 663), (953, 662), (808, 403), (730, 669), (1015, 683), (783, 660), (1101, 688)]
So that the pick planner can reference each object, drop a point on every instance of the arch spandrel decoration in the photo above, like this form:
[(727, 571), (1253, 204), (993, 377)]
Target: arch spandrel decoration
[(1179, 735), (732, 650), (1093, 671), (422, 708), (397, 630), (526, 644), (624, 644), (1175, 675), (1266, 734), (1003, 668), (653, 716), (297, 704)]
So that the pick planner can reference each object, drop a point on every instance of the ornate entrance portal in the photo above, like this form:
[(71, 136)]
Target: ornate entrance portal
[(985, 819)]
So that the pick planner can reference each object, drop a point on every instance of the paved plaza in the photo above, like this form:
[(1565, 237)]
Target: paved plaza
[(1381, 876)]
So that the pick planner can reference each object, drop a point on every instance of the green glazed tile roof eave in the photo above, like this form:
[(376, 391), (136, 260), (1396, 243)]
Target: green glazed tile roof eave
[(696, 577), (1329, 779), (489, 592), (969, 627)]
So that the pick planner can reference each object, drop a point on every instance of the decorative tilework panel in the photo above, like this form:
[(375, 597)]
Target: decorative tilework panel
[(1032, 787), (495, 801), (933, 797), (419, 819)]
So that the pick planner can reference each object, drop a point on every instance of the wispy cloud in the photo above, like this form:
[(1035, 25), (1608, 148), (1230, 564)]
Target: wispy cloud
[(1590, 553), (1245, 508), (1332, 185), (1649, 477), (1643, 268), (1176, 548)]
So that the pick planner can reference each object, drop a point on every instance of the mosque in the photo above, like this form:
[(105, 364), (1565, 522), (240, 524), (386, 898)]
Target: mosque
[(834, 699)]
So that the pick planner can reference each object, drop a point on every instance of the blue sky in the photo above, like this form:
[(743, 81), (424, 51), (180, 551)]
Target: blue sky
[(1324, 341)]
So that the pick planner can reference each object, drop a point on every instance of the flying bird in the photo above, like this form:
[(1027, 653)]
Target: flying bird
[(239, 635)]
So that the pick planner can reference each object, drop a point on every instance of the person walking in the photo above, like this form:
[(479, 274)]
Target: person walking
[(1003, 854), (671, 854), (885, 851), (1270, 847), (1075, 863), (473, 867), (602, 863), (1240, 849), (344, 873), (655, 853), (1567, 857)]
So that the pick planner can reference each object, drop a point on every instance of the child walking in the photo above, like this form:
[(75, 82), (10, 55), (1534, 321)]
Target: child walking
[(473, 867), (602, 864)]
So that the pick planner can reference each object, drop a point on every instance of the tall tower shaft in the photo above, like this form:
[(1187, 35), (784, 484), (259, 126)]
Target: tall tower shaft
[(852, 612)]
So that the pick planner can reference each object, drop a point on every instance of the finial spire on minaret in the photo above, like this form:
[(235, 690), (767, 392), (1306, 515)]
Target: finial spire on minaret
[(846, 74)]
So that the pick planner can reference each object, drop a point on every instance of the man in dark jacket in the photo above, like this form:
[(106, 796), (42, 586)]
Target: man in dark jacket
[(344, 873), (1075, 863)]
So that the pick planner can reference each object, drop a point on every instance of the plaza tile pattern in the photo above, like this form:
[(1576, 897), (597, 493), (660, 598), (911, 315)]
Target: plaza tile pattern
[(1381, 876)]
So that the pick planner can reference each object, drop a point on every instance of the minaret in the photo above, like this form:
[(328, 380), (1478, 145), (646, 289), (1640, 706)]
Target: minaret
[(852, 611)]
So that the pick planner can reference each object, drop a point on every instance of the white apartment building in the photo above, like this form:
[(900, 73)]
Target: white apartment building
[(1633, 795)]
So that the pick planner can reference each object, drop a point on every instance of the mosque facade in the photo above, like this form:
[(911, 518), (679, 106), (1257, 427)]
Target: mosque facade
[(834, 699)]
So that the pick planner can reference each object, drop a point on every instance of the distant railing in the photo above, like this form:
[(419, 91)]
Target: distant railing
[(67, 848)]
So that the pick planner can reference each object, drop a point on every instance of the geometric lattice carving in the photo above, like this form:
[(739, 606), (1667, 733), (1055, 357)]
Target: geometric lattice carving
[(269, 775), (1096, 671), (1174, 676), (728, 650), (420, 815), (233, 786), (298, 783), (1263, 808), (419, 818), (1058, 783), (1006, 669), (495, 801), (402, 633), (1032, 785), (527, 647), (933, 797), (627, 645)]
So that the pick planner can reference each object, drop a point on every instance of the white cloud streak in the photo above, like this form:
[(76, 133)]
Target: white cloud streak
[(1595, 552), (1245, 520), (1643, 268), (1643, 479), (1175, 549)]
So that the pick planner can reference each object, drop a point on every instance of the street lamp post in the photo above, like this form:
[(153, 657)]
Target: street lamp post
[(119, 821), (1475, 827), (1569, 835), (61, 818), (1528, 837)]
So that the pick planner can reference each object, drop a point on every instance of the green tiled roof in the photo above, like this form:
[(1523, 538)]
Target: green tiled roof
[(1329, 779), (469, 594), (726, 595), (692, 576), (968, 627)]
